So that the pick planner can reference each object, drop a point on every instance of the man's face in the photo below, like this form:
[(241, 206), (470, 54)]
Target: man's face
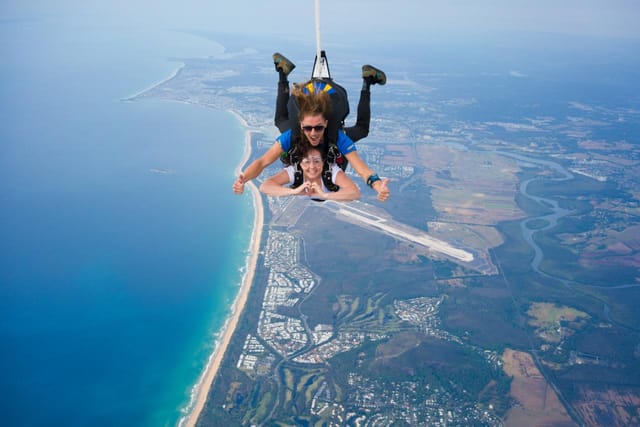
[(313, 127)]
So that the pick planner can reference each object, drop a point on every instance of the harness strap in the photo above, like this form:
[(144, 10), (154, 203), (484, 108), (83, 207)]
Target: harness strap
[(335, 156), (326, 177), (297, 177)]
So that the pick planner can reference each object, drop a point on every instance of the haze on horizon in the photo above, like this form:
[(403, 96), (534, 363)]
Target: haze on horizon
[(374, 19)]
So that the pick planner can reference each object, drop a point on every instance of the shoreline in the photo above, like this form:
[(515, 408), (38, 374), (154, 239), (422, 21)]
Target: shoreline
[(133, 97), (204, 385)]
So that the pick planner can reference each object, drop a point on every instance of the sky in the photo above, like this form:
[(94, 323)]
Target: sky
[(349, 18)]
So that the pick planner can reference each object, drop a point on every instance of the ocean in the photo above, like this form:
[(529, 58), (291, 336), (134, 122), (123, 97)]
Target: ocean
[(122, 246)]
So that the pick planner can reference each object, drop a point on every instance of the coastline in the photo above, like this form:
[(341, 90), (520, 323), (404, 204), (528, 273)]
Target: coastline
[(215, 360), (173, 75)]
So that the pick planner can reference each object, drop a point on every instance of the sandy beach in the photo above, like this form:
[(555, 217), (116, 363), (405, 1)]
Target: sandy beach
[(216, 358), (175, 73)]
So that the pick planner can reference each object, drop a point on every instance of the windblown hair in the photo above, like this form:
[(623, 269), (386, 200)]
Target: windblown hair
[(305, 148), (312, 104)]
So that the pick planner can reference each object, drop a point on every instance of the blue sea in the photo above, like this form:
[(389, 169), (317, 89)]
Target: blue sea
[(122, 246)]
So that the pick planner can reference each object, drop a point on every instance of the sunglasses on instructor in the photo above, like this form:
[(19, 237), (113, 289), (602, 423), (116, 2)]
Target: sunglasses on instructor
[(317, 128)]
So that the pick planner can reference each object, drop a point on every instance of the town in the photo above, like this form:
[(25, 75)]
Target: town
[(280, 336)]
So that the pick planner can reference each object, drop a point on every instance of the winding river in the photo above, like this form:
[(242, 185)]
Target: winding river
[(552, 218)]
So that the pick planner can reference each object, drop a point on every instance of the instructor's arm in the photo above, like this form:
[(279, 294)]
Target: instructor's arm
[(361, 168), (256, 167)]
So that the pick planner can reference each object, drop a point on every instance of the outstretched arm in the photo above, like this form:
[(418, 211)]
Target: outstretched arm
[(256, 167), (348, 189), (361, 168)]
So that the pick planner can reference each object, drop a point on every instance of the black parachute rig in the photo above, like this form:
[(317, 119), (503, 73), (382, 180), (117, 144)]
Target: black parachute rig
[(320, 81)]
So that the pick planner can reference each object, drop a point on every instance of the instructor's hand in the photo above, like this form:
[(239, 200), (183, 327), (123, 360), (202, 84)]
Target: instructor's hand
[(238, 184), (382, 189)]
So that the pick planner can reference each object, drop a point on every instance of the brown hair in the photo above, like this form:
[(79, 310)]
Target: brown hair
[(305, 148), (312, 104)]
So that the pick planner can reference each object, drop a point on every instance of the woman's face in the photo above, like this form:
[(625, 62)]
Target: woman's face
[(313, 127), (311, 164)]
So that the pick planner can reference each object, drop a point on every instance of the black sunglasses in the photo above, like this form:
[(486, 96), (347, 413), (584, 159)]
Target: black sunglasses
[(317, 128)]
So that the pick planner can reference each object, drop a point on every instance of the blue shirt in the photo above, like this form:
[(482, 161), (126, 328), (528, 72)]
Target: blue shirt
[(344, 143)]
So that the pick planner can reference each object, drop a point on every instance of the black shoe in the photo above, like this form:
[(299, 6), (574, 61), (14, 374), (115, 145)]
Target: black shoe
[(283, 65), (373, 75)]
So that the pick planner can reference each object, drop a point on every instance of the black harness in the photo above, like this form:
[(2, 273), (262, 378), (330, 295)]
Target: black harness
[(333, 155), (339, 111)]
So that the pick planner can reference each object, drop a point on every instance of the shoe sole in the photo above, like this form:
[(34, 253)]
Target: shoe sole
[(282, 63), (371, 71)]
